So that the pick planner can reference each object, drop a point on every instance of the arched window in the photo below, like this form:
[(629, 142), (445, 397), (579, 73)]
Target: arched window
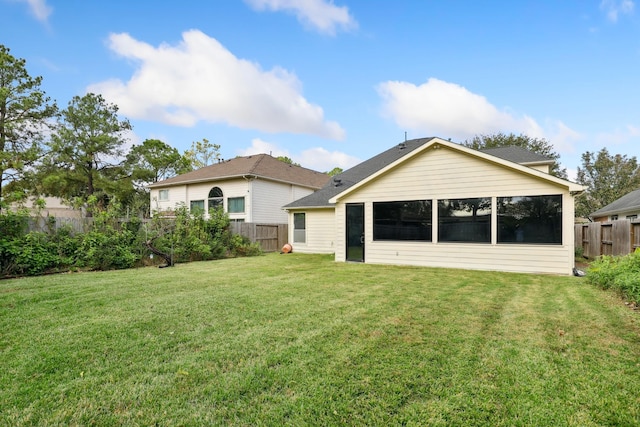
[(215, 198)]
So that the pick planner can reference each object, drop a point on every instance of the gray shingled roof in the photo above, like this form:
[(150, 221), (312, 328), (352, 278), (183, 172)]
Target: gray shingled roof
[(628, 202), (518, 155), (352, 176), (258, 165)]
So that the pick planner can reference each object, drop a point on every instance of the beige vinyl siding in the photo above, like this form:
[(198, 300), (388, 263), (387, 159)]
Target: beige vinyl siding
[(506, 257), (444, 173), (269, 197), (320, 225)]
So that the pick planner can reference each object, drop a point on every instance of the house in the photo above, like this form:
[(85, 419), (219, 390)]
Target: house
[(431, 202), (52, 207), (250, 188), (626, 207)]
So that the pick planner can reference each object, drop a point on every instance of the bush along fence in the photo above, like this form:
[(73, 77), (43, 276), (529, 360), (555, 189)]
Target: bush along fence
[(620, 237), (107, 242)]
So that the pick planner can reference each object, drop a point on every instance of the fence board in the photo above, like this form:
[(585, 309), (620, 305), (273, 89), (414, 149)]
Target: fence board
[(621, 237), (616, 238), (270, 237), (52, 223)]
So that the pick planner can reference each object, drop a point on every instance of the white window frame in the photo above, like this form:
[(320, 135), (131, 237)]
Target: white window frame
[(300, 234)]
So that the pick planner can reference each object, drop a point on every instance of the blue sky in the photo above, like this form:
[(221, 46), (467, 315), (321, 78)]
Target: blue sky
[(332, 83)]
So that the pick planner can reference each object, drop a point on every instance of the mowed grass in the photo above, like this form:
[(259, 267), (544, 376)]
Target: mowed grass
[(301, 340)]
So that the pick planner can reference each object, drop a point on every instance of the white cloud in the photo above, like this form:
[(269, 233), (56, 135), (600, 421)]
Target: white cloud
[(316, 158), (625, 135), (562, 137), (323, 160), (200, 80), (613, 8), (39, 9), (259, 146), (439, 108), (322, 15)]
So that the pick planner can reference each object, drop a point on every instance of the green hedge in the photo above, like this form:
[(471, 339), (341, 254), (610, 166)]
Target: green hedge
[(115, 244)]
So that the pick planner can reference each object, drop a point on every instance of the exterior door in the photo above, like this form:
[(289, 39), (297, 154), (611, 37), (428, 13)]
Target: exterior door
[(355, 232)]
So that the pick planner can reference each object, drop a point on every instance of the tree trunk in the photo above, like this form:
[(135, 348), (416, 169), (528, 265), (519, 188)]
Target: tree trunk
[(153, 249)]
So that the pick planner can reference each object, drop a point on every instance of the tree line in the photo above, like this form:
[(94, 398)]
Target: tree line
[(78, 153)]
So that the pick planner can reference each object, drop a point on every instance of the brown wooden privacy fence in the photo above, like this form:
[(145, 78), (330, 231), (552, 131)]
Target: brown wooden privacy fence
[(50, 223), (620, 237), (271, 237)]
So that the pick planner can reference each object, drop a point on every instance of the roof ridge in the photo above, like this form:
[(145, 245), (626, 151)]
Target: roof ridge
[(260, 157)]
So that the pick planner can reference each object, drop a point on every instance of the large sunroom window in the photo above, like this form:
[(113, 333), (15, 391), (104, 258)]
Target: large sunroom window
[(530, 219), (464, 220), (407, 220)]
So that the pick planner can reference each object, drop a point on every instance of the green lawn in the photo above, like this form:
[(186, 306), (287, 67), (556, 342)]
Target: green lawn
[(300, 340)]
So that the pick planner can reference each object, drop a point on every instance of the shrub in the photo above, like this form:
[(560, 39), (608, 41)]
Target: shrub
[(621, 274), (34, 254), (242, 246), (106, 251), (13, 227)]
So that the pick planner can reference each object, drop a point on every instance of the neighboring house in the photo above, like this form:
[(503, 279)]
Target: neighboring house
[(626, 207), (251, 188), (431, 202), (53, 206)]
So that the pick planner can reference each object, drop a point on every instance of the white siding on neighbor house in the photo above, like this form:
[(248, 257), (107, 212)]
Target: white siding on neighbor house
[(320, 227), (177, 195), (230, 188), (270, 196), (184, 194), (298, 192), (444, 173)]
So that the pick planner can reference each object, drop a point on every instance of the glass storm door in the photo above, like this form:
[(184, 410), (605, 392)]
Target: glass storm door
[(355, 232)]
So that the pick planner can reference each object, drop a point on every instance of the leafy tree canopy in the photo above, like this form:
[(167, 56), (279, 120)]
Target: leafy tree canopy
[(607, 178), (202, 153), (155, 161), (537, 145), (287, 160), (86, 151), (25, 111), (335, 171)]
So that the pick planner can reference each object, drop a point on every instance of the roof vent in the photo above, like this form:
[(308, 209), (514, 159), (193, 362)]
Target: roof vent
[(402, 146), (337, 182)]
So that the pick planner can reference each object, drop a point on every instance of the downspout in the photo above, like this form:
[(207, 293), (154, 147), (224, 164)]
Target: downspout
[(249, 213)]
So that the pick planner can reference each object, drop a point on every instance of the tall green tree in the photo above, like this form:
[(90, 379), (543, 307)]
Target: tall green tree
[(607, 178), (147, 163), (86, 150), (537, 145), (202, 153), (154, 161), (25, 111)]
